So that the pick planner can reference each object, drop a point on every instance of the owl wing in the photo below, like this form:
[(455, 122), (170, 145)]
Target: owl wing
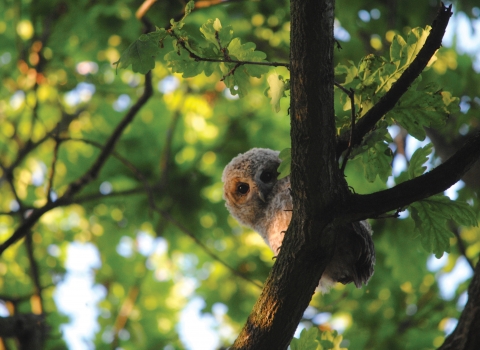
[(354, 256)]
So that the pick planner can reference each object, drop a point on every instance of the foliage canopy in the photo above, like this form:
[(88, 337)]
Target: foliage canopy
[(153, 209)]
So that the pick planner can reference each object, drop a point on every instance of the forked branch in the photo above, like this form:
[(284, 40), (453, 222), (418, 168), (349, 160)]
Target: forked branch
[(424, 186), (90, 175), (388, 101)]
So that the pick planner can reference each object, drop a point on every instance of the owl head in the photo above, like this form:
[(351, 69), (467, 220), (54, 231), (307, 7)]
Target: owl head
[(248, 183)]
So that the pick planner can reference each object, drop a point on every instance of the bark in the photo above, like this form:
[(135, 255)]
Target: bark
[(309, 240), (30, 330), (321, 199), (466, 335)]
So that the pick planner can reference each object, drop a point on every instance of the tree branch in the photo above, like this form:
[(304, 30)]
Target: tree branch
[(202, 245), (466, 335), (138, 174), (388, 101), (52, 170), (226, 59), (30, 330), (308, 244), (461, 246), (92, 173), (34, 270), (89, 176), (426, 185)]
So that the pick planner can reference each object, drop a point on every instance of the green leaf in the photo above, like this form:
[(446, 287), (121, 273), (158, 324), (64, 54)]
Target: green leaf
[(277, 90), (458, 211), (213, 29), (350, 72), (181, 62), (430, 216), (189, 8), (209, 31), (375, 155), (245, 52), (375, 76), (306, 341), (326, 344), (419, 157), (238, 82), (402, 52), (417, 109), (431, 227), (284, 168), (142, 52)]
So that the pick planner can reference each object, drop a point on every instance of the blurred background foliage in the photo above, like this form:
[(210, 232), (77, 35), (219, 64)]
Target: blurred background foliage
[(58, 84)]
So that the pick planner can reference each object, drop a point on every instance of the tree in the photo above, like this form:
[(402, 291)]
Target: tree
[(62, 179)]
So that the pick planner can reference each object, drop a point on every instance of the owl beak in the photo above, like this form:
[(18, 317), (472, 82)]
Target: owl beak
[(262, 196)]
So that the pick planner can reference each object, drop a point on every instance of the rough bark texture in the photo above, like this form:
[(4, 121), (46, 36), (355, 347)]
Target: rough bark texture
[(30, 330), (317, 193), (321, 199), (466, 335)]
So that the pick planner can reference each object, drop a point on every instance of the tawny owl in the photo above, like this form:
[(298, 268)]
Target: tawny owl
[(258, 200)]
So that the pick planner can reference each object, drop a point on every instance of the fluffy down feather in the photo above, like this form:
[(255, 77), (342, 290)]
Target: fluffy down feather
[(255, 197)]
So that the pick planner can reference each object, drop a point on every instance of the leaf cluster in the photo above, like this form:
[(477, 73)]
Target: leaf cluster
[(313, 339), (216, 51)]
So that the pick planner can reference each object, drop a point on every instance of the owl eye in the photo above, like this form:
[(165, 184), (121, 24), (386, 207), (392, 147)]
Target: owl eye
[(243, 188), (266, 176)]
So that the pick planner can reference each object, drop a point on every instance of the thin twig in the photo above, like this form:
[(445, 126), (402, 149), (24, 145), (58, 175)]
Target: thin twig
[(8, 174), (143, 9), (226, 56), (351, 95), (96, 196), (52, 170), (461, 247), (391, 97), (149, 191), (205, 59), (126, 310), (92, 173), (207, 250), (169, 218), (34, 270), (167, 148), (137, 173), (231, 72), (89, 176), (341, 87)]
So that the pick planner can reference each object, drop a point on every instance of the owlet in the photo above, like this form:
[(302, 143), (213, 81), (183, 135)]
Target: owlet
[(258, 200)]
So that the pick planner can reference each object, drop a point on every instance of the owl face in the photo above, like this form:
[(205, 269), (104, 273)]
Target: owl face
[(248, 182)]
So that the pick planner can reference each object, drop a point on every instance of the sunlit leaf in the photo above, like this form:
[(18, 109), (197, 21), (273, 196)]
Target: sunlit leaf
[(430, 216), (284, 167), (277, 90), (419, 157), (306, 341), (141, 54)]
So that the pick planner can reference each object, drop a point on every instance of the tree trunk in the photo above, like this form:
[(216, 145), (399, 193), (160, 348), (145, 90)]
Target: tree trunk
[(317, 193), (30, 330), (466, 335), (321, 199)]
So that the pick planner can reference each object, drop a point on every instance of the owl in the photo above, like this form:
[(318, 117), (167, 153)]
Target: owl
[(257, 199)]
